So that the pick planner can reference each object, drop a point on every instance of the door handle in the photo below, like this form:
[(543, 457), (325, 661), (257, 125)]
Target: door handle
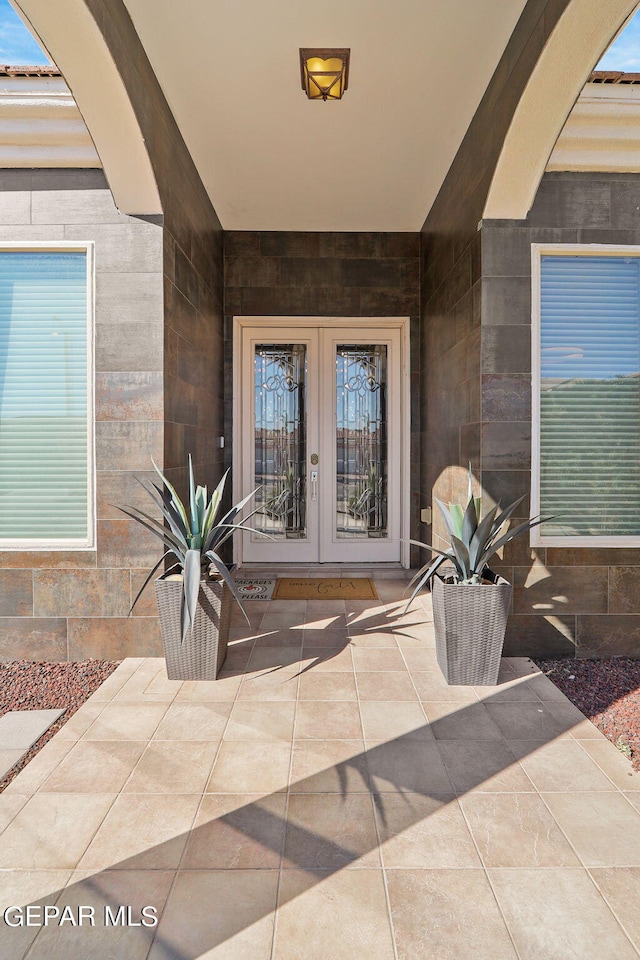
[(314, 484)]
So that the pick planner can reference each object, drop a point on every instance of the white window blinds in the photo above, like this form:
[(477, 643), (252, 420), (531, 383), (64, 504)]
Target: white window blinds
[(44, 430), (590, 396)]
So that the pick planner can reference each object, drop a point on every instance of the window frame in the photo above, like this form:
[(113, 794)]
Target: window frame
[(538, 250), (89, 542)]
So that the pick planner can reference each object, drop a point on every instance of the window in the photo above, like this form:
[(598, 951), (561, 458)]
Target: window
[(46, 390), (586, 385)]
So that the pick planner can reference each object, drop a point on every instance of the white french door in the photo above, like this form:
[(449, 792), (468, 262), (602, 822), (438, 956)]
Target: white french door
[(320, 415)]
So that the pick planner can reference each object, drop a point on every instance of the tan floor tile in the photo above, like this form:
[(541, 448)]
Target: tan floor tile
[(421, 660), (246, 767), (432, 685), (325, 608), (110, 888), (235, 916), (559, 765), (327, 831), (374, 639), (237, 831), (266, 685), (579, 727), (365, 659), (454, 721), (447, 915), (613, 763), (327, 658), (37, 770), (19, 888), (334, 720), (326, 638), (108, 689), (95, 766), (168, 767), (194, 721), (326, 620), (270, 658), (386, 686), (523, 666), (510, 687), (78, 724), (388, 719), (483, 766), (149, 684), (308, 902), (404, 764), (558, 914), (52, 831), (327, 686), (143, 832), (281, 620), (329, 766), (602, 827), (10, 805), (620, 886), (527, 721), (545, 688), (280, 638), (256, 720), (423, 832), (633, 799), (127, 721), (516, 830), (195, 691), (8, 760)]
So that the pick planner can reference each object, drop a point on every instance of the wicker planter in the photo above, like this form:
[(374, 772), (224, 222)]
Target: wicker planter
[(201, 655), (470, 621)]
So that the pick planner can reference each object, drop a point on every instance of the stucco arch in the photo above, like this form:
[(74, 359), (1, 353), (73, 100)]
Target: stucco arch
[(68, 30), (581, 35)]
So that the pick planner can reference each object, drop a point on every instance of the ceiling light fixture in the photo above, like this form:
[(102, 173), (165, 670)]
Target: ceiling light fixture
[(324, 72)]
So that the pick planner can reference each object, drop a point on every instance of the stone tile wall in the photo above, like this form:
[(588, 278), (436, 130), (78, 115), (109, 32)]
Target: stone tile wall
[(71, 605), (326, 274), (591, 597)]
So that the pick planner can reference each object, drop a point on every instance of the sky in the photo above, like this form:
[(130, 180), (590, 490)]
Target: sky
[(17, 46), (624, 53)]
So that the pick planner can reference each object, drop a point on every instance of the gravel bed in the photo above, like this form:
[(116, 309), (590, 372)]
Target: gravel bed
[(607, 692), (34, 685)]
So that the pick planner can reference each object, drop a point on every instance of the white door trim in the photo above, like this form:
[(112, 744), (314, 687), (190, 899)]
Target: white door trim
[(240, 414)]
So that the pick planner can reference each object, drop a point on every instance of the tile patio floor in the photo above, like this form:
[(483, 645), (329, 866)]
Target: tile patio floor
[(329, 798)]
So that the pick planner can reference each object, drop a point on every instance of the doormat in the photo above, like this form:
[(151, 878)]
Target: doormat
[(318, 588), (255, 589)]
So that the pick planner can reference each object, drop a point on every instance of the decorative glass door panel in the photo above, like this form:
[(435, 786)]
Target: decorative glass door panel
[(280, 440), (361, 441), (321, 443)]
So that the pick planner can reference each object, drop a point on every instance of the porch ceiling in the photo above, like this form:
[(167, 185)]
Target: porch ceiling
[(272, 160)]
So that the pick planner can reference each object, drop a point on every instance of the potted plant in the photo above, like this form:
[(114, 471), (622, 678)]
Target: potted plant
[(195, 594), (471, 605)]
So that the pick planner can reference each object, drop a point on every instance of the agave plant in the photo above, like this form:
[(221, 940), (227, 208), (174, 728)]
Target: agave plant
[(194, 537), (473, 540)]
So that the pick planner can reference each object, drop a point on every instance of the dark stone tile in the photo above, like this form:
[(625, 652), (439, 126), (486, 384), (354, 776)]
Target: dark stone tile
[(624, 589), (354, 245), (506, 349), (592, 556), (114, 638), (537, 636), (613, 635), (560, 590), (26, 638), (388, 303), (506, 300), (506, 251), (301, 301), (470, 445), (506, 397), (233, 301), (625, 205), (16, 593), (572, 203), (372, 273), (252, 271), (507, 486), (506, 446), (289, 244), (186, 277), (400, 244), (81, 593), (307, 272), (241, 243)]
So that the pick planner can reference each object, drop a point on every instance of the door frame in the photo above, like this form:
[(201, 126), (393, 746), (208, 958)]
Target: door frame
[(239, 402)]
